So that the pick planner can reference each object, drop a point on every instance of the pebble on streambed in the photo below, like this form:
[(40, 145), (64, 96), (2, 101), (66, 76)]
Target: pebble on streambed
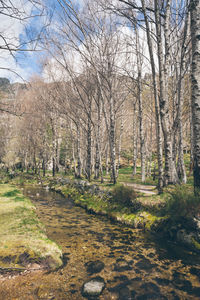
[(94, 266), (93, 287)]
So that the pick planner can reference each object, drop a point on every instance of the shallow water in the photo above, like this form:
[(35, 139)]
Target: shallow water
[(132, 265)]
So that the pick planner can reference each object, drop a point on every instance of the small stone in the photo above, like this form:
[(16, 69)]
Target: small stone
[(122, 265), (94, 266), (124, 293), (93, 287), (144, 264)]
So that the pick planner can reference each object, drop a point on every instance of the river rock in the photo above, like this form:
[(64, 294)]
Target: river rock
[(125, 293), (197, 223), (185, 238), (93, 287), (94, 266), (122, 265)]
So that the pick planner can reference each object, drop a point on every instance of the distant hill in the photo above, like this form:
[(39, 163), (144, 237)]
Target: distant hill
[(10, 88), (4, 84)]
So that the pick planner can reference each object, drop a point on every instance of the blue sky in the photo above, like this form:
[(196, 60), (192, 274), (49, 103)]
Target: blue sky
[(22, 63), (25, 64)]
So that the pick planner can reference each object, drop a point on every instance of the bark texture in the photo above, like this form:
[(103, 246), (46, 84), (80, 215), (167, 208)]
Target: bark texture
[(170, 176), (157, 109), (195, 81)]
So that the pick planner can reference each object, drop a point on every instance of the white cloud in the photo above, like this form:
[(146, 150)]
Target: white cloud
[(10, 31)]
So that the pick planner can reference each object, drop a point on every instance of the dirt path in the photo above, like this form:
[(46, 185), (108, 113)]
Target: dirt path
[(146, 189)]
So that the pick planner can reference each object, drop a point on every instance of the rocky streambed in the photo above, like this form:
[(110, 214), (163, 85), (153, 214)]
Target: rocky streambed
[(103, 260)]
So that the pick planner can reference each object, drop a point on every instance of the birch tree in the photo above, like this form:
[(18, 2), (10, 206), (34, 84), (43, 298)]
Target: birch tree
[(195, 81)]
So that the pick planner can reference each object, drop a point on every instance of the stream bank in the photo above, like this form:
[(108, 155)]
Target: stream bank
[(130, 265), (137, 213)]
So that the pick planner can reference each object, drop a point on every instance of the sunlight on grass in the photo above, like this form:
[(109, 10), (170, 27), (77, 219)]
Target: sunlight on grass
[(22, 232)]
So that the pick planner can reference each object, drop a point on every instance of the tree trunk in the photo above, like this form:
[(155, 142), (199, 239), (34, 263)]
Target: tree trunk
[(181, 68), (141, 127), (78, 153), (135, 138), (98, 143), (170, 176), (89, 146), (57, 155), (157, 109), (120, 144), (195, 81), (107, 163), (191, 143), (43, 167), (112, 143), (150, 150), (140, 106), (181, 165), (53, 167), (74, 159)]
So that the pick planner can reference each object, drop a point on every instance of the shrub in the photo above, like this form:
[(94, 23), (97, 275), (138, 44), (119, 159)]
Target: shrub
[(125, 196), (182, 203)]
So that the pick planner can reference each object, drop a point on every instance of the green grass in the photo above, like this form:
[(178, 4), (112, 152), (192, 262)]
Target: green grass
[(182, 202), (134, 214), (21, 232)]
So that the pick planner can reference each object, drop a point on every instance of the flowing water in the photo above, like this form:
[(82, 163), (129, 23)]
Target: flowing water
[(132, 265)]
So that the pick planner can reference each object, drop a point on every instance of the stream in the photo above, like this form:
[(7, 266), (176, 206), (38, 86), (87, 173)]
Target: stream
[(132, 265)]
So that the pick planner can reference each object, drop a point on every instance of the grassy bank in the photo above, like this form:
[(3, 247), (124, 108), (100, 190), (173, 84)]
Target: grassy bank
[(170, 215), (23, 241), (173, 215), (123, 205)]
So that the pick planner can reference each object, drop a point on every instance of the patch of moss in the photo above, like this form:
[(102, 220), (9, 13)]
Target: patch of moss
[(11, 193), (196, 244), (18, 199)]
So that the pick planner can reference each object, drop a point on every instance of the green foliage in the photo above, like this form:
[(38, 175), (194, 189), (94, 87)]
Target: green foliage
[(18, 199), (12, 193), (125, 196), (181, 203), (126, 171), (127, 154)]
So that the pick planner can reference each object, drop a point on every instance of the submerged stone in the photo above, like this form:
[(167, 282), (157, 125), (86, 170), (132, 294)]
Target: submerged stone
[(122, 265), (94, 266), (124, 293), (152, 296), (162, 281), (93, 287), (150, 287), (145, 264)]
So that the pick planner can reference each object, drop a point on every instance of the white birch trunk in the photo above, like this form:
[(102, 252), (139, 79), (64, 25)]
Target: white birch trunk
[(195, 80), (170, 176), (135, 138), (120, 144), (157, 109)]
